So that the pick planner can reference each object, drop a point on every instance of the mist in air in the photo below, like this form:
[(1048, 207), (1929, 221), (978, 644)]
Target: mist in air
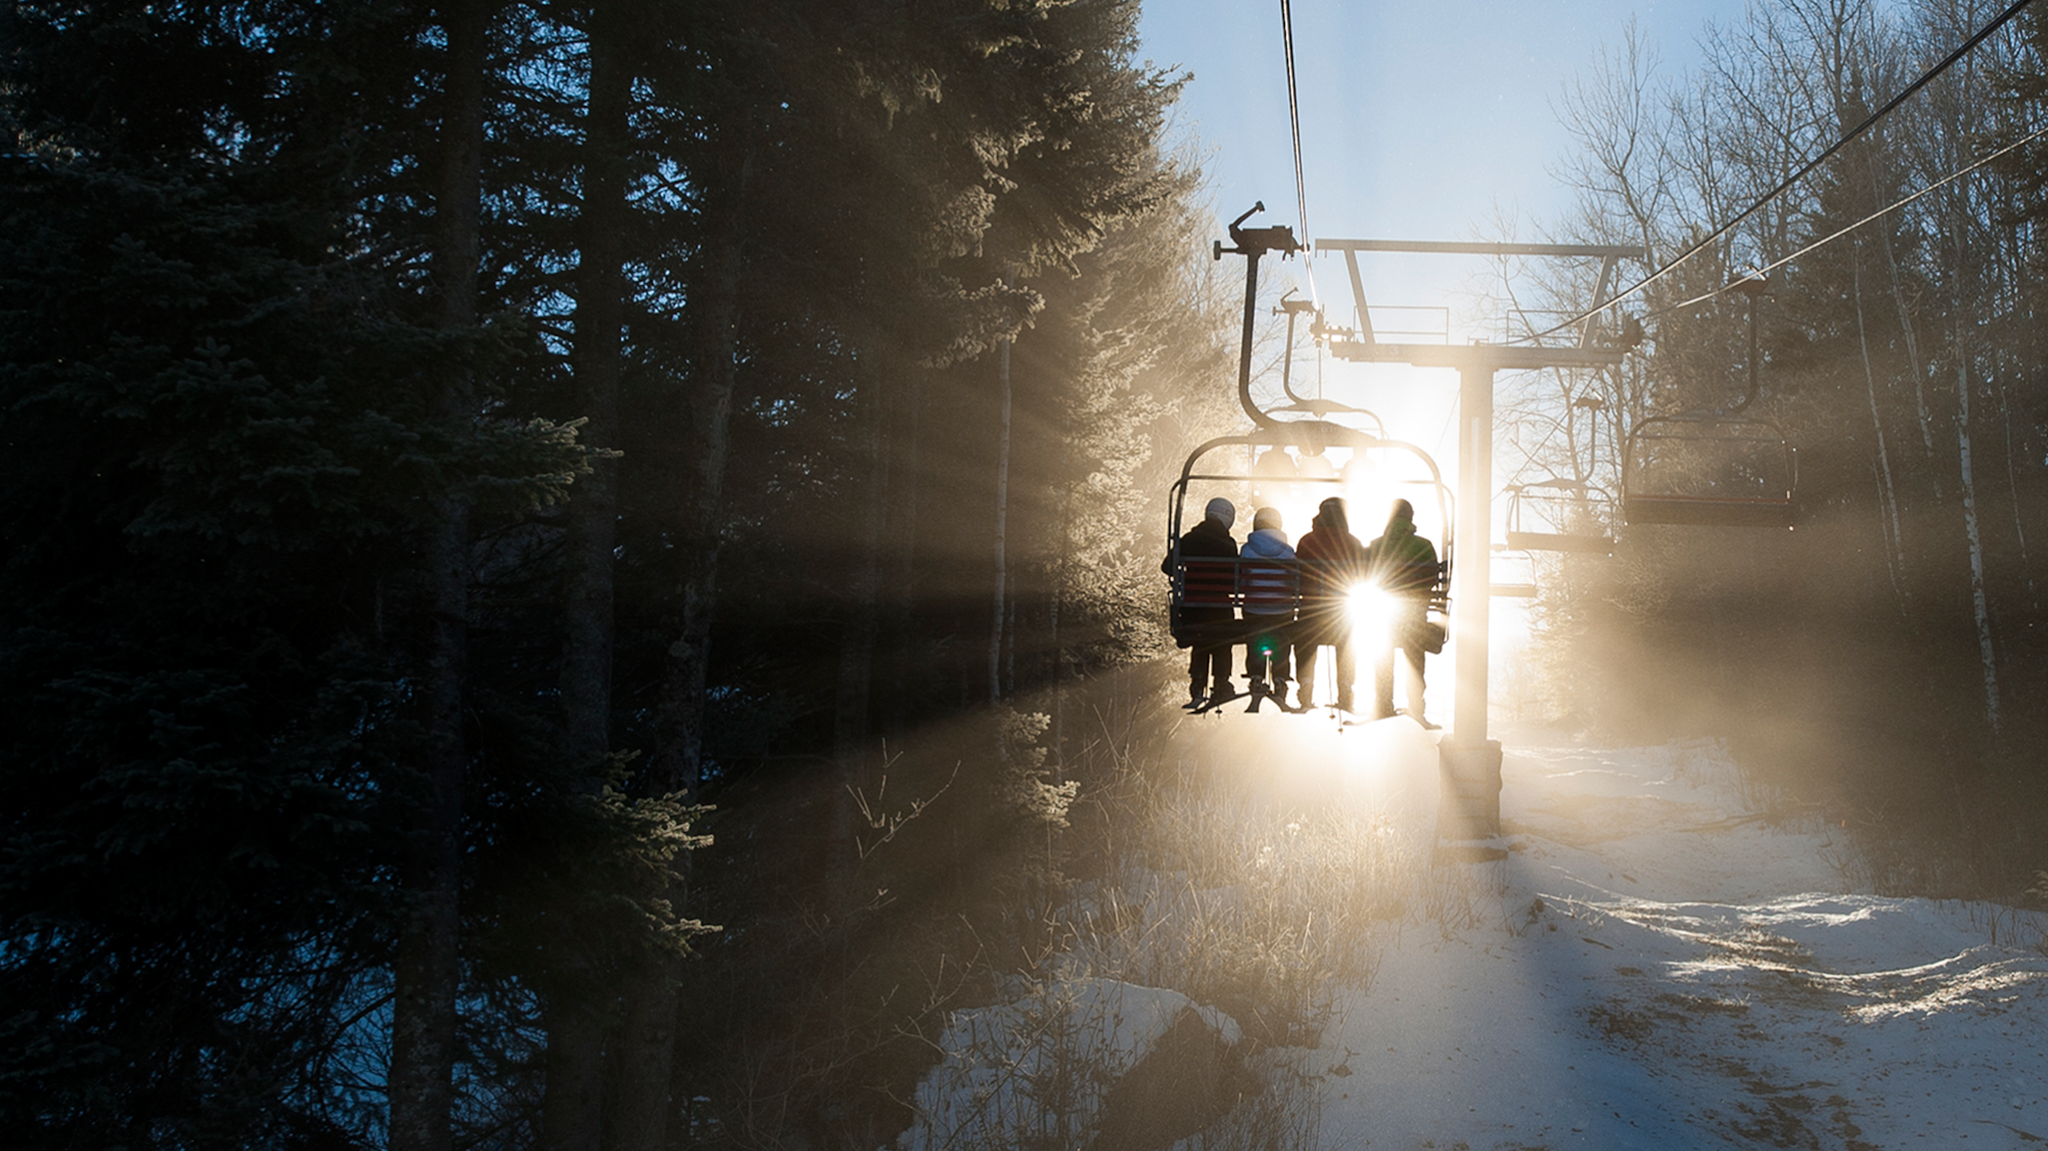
[(617, 576)]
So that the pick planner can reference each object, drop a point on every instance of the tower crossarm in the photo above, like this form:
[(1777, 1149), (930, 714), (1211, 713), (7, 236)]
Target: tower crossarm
[(1608, 254)]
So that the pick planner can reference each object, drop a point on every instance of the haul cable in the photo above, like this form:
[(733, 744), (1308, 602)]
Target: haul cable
[(1294, 123), (1805, 170), (1774, 265)]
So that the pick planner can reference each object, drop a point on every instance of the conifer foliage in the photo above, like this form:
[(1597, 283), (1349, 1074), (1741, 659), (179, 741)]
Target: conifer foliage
[(440, 445)]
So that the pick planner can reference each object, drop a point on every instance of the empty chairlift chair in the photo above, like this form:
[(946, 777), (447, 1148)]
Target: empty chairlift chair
[(1713, 468), (1512, 573), (1560, 515), (1708, 469)]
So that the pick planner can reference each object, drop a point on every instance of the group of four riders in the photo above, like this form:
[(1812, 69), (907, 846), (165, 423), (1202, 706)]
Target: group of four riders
[(1325, 568)]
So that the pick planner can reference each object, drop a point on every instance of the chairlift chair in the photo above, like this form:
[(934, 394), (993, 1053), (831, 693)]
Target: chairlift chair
[(1560, 515), (1708, 469), (1518, 581), (1313, 406), (1204, 582)]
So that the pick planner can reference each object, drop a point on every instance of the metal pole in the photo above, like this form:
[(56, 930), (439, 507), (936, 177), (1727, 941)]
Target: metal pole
[(1469, 596), (1287, 359), (1468, 807), (1244, 347)]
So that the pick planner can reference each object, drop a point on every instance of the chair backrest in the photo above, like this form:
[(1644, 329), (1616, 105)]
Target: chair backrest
[(1269, 583), (1208, 583)]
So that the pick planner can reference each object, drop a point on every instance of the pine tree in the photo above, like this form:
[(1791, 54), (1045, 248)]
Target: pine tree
[(221, 450)]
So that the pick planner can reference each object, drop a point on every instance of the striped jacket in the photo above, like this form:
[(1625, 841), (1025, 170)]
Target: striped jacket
[(1268, 589)]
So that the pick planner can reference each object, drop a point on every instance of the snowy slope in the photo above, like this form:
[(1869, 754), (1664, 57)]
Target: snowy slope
[(1656, 966), (1660, 962)]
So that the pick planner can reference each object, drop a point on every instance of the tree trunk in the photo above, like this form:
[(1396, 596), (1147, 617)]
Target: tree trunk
[(572, 1109), (586, 673), (906, 481), (1887, 492), (1010, 640), (850, 715), (1906, 327), (427, 968), (647, 1042), (1001, 556), (2012, 478), (1052, 628), (1979, 601), (647, 1045), (571, 1113)]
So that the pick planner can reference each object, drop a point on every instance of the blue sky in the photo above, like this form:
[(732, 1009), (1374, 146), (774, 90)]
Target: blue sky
[(1422, 121), (1417, 119)]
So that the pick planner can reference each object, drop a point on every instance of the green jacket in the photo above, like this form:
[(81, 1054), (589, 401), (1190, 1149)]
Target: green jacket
[(1401, 561)]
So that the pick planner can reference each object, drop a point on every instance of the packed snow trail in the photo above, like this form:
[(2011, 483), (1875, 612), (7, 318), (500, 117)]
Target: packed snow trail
[(1662, 961), (1656, 966)]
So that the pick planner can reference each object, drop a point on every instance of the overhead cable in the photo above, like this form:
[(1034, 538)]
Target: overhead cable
[(1926, 78), (1294, 123), (1839, 233)]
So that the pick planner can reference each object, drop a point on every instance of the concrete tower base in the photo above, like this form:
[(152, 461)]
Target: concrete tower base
[(1468, 804)]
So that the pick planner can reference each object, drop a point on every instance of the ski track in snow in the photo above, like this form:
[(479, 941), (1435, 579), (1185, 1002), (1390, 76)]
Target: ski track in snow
[(1665, 969)]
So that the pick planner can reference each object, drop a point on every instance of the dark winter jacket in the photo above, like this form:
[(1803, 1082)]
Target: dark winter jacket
[(1332, 560), (1206, 540), (1402, 562)]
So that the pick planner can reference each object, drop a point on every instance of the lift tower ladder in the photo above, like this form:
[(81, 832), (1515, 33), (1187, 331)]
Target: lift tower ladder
[(1469, 762)]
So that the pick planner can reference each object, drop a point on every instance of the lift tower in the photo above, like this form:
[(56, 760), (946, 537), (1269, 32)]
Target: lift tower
[(1468, 761)]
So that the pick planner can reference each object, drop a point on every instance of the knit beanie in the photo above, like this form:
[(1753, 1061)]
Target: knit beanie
[(1265, 518), (1222, 511), (1333, 515)]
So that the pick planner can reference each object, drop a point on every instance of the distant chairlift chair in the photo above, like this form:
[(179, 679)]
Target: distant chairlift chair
[(1708, 469), (1560, 515), (1712, 468)]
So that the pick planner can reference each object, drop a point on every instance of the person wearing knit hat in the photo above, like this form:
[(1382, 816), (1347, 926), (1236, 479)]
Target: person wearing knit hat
[(1208, 663), (1269, 595), (1332, 561), (1404, 564)]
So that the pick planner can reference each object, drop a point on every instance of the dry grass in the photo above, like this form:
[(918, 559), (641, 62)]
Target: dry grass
[(1265, 914), (1267, 908)]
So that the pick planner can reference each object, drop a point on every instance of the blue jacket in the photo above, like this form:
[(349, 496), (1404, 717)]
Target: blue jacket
[(1267, 590)]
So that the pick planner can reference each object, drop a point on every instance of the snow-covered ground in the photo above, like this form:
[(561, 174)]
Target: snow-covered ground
[(1658, 963), (1668, 970)]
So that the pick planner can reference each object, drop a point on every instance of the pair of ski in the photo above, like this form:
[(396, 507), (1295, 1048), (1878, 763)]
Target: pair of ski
[(1256, 695), (1420, 721), (1259, 696)]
